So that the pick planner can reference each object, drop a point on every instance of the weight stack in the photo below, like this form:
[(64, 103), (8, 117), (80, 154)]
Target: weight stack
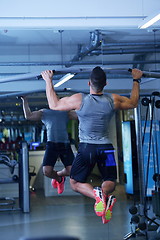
[(156, 202)]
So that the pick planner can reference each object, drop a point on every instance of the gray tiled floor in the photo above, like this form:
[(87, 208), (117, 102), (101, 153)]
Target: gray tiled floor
[(68, 216)]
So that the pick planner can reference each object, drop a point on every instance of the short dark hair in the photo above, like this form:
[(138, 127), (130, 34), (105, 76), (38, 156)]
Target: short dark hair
[(98, 79)]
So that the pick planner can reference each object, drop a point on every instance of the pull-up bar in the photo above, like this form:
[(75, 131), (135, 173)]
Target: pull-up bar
[(31, 76), (37, 76), (148, 74)]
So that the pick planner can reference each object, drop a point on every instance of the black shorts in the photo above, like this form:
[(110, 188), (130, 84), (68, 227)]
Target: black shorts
[(55, 150), (90, 154)]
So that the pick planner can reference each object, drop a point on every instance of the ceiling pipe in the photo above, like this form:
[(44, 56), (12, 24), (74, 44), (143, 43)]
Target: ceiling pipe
[(123, 51), (99, 63), (84, 51), (95, 63), (25, 93), (64, 91), (117, 44), (20, 93)]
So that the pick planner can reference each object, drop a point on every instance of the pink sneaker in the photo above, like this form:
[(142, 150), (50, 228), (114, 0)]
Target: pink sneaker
[(60, 186), (54, 183), (106, 217), (100, 204)]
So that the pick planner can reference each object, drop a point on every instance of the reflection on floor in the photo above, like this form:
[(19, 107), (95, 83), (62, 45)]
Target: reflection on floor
[(69, 216)]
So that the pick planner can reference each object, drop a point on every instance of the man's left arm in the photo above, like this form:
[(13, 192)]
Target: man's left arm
[(124, 103)]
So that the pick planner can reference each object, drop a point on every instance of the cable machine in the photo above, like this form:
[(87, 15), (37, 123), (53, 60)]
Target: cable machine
[(142, 221)]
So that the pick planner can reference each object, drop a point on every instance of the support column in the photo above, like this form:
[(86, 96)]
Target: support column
[(24, 196), (138, 128)]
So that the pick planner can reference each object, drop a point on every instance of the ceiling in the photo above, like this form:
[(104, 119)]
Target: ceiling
[(32, 41)]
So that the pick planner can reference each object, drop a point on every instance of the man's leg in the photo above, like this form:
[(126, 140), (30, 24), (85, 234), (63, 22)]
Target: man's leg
[(81, 168), (83, 188), (107, 188), (49, 160), (95, 193), (49, 172), (57, 181), (60, 184), (66, 155), (65, 171)]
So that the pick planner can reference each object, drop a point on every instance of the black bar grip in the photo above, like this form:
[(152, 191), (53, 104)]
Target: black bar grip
[(40, 76), (143, 75)]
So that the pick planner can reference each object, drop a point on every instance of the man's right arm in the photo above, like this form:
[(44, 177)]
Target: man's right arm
[(64, 104), (32, 116)]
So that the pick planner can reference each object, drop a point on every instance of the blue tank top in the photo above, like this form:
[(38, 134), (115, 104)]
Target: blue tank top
[(94, 116), (56, 125)]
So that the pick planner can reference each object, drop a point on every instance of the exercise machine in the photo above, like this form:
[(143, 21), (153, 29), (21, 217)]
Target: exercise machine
[(7, 203), (141, 221)]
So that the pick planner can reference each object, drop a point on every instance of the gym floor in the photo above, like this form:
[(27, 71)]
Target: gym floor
[(69, 216)]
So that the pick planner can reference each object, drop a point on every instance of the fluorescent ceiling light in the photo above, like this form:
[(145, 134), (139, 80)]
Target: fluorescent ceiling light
[(64, 79), (148, 21)]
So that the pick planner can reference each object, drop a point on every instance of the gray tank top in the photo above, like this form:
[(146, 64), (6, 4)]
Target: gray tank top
[(94, 116), (56, 125)]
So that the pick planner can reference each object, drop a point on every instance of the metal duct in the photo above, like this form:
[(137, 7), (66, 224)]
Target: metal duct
[(82, 52), (118, 44), (99, 63), (123, 51)]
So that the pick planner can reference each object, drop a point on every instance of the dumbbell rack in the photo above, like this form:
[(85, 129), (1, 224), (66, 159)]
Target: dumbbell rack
[(7, 202)]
